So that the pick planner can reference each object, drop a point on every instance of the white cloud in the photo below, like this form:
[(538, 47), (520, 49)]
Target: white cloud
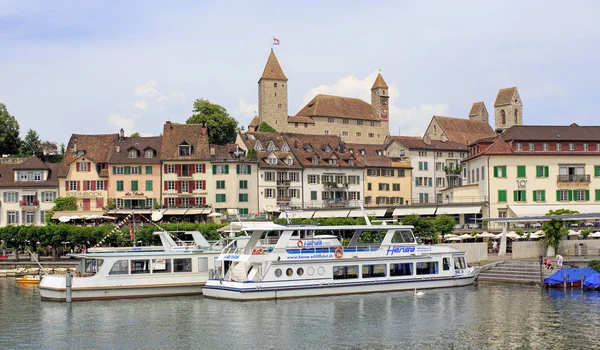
[(140, 105), (118, 121), (245, 109), (409, 121), (147, 90)]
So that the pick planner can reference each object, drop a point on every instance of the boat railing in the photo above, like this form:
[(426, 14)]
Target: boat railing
[(259, 250)]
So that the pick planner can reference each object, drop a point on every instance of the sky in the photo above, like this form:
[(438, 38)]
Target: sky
[(91, 67)]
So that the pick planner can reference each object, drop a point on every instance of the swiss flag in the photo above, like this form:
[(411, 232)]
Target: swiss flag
[(275, 41)]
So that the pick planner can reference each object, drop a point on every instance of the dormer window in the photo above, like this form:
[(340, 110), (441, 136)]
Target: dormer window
[(185, 149), (362, 151), (327, 149), (272, 160), (559, 147), (531, 146), (379, 153), (132, 153), (285, 148), (289, 161), (586, 147), (545, 146), (315, 161), (333, 161), (309, 149), (258, 146), (519, 147), (351, 162), (571, 147), (271, 147), (351, 150), (80, 153)]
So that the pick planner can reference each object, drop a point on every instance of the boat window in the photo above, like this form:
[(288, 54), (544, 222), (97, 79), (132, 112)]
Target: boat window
[(446, 264), (345, 272), (91, 266), (289, 272), (404, 269), (310, 271), (120, 267), (459, 263), (371, 236), (300, 271), (161, 265), (140, 266), (278, 273), (403, 236), (202, 264), (182, 265), (369, 271), (427, 268)]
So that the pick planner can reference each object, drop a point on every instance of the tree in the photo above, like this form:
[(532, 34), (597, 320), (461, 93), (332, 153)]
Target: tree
[(221, 126), (555, 229), (62, 149), (61, 204), (135, 134), (9, 132), (444, 224), (423, 227), (264, 127), (31, 143)]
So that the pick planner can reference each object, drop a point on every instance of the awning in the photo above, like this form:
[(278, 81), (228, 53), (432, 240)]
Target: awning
[(175, 211), (29, 192), (297, 214), (358, 213), (81, 214), (458, 210), (414, 210), (540, 210), (197, 211), (331, 213)]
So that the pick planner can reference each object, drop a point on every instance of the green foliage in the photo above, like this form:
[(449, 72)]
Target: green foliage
[(251, 154), (586, 232), (264, 127), (135, 134), (444, 224), (555, 229), (520, 231), (62, 149), (423, 227), (595, 264), (221, 126), (61, 204), (9, 132), (31, 144)]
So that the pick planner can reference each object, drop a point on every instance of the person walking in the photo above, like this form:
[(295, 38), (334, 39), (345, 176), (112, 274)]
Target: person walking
[(495, 246), (559, 261)]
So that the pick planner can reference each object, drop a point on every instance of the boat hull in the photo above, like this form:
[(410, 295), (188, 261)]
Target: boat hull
[(264, 290)]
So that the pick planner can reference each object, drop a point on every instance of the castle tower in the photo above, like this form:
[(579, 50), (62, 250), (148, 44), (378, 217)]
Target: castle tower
[(380, 98), (479, 112), (272, 95), (508, 108)]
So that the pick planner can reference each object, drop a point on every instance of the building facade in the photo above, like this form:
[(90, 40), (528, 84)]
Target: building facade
[(27, 191)]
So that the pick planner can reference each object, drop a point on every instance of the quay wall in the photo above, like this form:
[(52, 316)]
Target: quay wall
[(475, 251)]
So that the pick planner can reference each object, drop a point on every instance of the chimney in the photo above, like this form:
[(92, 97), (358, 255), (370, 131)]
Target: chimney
[(118, 148), (168, 126), (342, 144), (242, 130), (121, 135), (295, 143), (204, 129), (212, 148), (75, 147)]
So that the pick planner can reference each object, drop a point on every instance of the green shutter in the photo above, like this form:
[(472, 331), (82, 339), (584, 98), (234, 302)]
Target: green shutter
[(538, 171), (119, 185), (596, 170), (524, 199), (546, 172), (534, 196), (140, 169), (127, 170), (148, 169), (515, 196), (495, 171), (420, 165), (134, 185), (237, 168), (598, 195), (504, 171), (148, 185), (543, 195), (416, 181), (214, 169), (313, 195), (249, 169), (587, 195), (226, 168), (501, 195), (570, 194), (114, 170), (558, 195)]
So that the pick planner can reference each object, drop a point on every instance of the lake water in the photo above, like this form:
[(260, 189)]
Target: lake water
[(484, 316)]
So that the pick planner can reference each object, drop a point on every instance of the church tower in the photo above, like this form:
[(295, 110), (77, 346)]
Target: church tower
[(272, 95), (380, 99), (479, 112), (508, 108)]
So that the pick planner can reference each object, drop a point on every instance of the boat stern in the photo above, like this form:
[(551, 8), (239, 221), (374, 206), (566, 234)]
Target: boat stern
[(53, 287)]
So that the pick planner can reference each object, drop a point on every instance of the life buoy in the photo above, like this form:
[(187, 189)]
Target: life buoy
[(338, 253), (300, 244)]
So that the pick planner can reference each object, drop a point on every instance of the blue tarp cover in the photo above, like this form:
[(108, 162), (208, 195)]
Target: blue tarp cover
[(573, 275), (592, 281)]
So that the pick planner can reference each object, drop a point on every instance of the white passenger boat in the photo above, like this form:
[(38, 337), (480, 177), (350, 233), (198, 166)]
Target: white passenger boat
[(175, 270), (301, 261)]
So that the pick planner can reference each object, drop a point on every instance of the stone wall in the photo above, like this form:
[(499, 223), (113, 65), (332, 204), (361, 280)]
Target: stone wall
[(355, 133), (273, 103), (475, 251), (12, 160)]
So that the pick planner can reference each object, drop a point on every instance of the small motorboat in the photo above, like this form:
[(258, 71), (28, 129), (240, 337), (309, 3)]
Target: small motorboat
[(29, 279)]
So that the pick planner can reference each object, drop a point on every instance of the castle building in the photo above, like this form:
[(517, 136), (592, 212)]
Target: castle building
[(352, 119)]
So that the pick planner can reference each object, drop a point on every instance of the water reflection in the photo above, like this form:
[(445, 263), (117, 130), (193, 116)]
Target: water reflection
[(484, 316)]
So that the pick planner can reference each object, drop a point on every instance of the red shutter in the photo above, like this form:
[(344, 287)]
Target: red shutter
[(191, 168), (178, 186), (166, 185), (192, 185), (105, 185), (165, 171), (78, 185), (166, 200), (76, 166), (204, 184), (192, 201), (204, 200), (66, 185), (89, 166), (178, 169), (178, 201), (204, 168), (93, 185)]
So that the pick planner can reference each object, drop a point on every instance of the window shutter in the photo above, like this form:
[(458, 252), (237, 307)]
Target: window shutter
[(178, 169), (17, 216), (140, 170), (93, 185), (204, 184), (105, 185), (178, 186), (191, 168), (587, 195), (596, 170), (237, 168), (515, 196), (318, 179), (504, 171), (178, 201), (78, 185), (127, 170), (524, 199), (114, 170), (543, 195), (420, 165), (416, 181), (226, 168), (5, 194), (204, 168), (521, 171), (192, 186), (214, 169), (165, 169), (249, 169), (392, 172), (558, 195), (89, 166), (546, 172), (495, 171), (166, 201), (166, 185), (66, 185), (534, 196), (538, 171), (570, 194), (357, 196), (598, 195), (77, 167), (42, 214)]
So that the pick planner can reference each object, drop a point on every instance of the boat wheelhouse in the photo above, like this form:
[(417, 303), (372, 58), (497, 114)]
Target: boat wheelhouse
[(305, 260)]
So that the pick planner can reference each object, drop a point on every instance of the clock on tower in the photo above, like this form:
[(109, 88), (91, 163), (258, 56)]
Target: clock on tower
[(384, 107)]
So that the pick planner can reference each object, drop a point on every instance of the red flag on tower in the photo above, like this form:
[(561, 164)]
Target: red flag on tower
[(275, 41)]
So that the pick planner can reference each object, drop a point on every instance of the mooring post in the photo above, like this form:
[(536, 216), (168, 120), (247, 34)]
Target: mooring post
[(68, 287), (541, 259), (582, 279), (565, 281)]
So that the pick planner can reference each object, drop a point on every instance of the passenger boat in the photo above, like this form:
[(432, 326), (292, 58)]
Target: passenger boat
[(174, 270), (301, 261)]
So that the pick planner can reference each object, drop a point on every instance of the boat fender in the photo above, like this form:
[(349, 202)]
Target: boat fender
[(338, 253), (300, 244), (254, 251), (260, 251)]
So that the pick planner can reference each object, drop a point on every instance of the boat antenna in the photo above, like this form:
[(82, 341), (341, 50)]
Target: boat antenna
[(365, 215)]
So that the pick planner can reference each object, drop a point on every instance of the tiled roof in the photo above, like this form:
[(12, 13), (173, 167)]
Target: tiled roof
[(227, 153), (299, 144), (255, 122), (505, 96), (7, 176), (552, 133), (98, 148), (374, 155), (32, 163), (464, 130), (250, 139), (415, 142), (336, 106), (379, 82), (273, 69), (141, 144), (476, 109), (300, 119), (175, 135)]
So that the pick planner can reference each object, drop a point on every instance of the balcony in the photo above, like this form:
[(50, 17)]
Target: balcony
[(333, 184), (283, 183), (283, 199), (185, 174), (28, 204), (573, 178)]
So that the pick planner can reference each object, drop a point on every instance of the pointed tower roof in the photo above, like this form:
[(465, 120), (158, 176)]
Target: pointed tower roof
[(477, 108), (505, 96), (273, 69), (379, 82)]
